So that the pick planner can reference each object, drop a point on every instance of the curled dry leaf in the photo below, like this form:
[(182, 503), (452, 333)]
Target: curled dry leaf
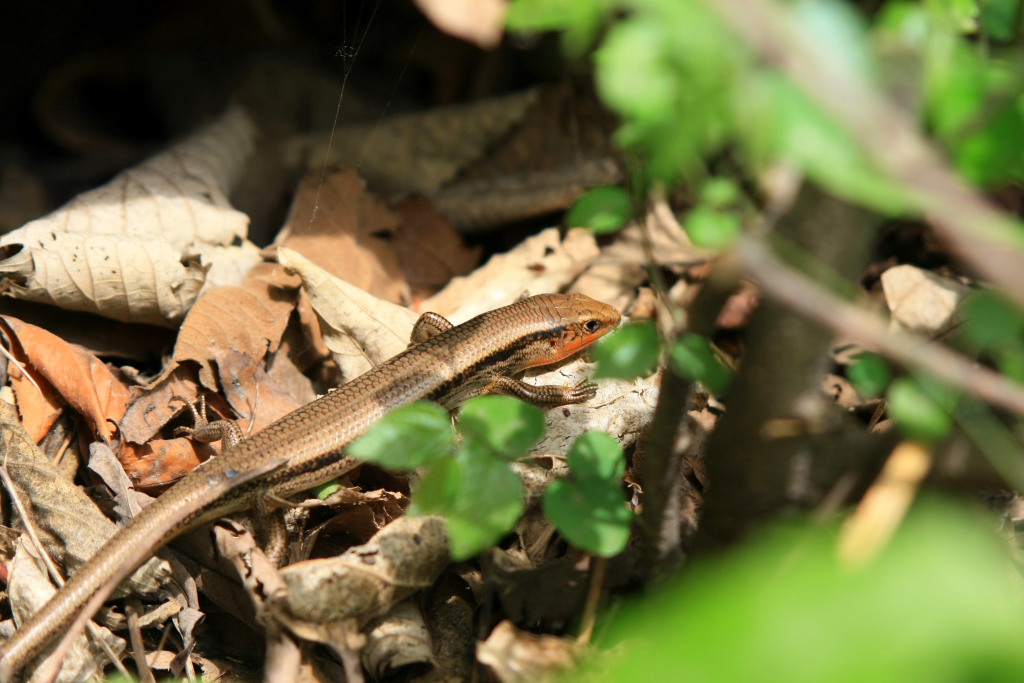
[(367, 580), (429, 250), (359, 329), (127, 250), (542, 263), (397, 640)]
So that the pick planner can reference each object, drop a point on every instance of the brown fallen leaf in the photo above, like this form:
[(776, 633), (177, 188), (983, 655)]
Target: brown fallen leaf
[(398, 640), (429, 250), (339, 225), (78, 377), (517, 656)]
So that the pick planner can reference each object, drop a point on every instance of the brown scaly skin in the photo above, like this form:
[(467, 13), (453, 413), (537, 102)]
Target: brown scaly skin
[(447, 364)]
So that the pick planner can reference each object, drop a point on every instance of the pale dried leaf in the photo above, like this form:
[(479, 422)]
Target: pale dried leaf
[(359, 329), (227, 265), (516, 656), (481, 22), (179, 196), (397, 640), (542, 263), (622, 408), (920, 300), (127, 278), (419, 152), (127, 250)]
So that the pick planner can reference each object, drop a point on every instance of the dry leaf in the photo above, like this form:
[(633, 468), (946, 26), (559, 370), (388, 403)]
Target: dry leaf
[(479, 21), (340, 226), (365, 581), (920, 300), (70, 525), (518, 656), (419, 152), (359, 329), (429, 250), (77, 376), (250, 319), (397, 640), (542, 263), (128, 250)]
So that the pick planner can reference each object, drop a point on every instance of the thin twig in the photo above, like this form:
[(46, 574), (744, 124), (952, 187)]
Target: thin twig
[(805, 295)]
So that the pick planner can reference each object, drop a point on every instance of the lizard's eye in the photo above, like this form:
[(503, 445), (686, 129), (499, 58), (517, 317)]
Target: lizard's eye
[(592, 326)]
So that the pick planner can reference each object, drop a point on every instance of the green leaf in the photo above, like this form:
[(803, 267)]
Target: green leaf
[(632, 351), (407, 438), (602, 209), (990, 319), (596, 455), (711, 228), (589, 509), (480, 498), (720, 193), (323, 491), (918, 413), (503, 426), (870, 374), (999, 18), (693, 357), (938, 604)]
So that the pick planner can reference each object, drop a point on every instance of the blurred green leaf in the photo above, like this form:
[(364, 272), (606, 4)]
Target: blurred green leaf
[(479, 496), (693, 357), (1000, 18), (407, 437), (990, 319), (918, 413), (869, 373), (962, 14), (711, 228), (720, 193), (939, 604), (629, 352), (503, 426), (596, 455), (602, 209)]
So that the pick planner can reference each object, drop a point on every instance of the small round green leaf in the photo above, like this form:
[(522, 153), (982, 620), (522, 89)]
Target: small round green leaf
[(596, 455), (870, 374), (407, 438), (918, 413), (693, 357), (505, 426), (629, 352), (602, 209), (591, 514), (712, 228), (720, 193), (480, 498)]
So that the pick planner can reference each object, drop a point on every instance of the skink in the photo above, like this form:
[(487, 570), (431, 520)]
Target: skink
[(447, 364)]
